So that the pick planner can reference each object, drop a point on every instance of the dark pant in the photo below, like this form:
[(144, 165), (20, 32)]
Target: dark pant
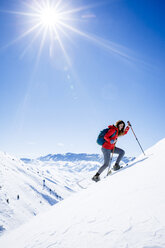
[(107, 154)]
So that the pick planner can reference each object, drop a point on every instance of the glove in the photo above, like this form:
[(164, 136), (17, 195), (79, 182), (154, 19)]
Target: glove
[(113, 141), (129, 124)]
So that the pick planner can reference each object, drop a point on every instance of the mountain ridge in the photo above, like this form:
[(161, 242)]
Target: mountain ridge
[(72, 157)]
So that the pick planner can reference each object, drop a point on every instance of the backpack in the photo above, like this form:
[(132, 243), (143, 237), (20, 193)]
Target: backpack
[(100, 139)]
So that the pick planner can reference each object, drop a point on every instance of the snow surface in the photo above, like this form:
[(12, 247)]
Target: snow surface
[(27, 189), (125, 210)]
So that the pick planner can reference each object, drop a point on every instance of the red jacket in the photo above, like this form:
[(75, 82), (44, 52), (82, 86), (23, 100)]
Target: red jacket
[(109, 141)]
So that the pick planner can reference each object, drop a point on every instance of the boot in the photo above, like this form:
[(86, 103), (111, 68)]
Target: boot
[(96, 177), (116, 167)]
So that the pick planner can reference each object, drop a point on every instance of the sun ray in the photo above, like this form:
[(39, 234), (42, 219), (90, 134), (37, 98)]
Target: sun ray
[(54, 19), (30, 44), (62, 47), (76, 10), (36, 7), (46, 14), (58, 4), (51, 33), (66, 35), (96, 40), (41, 46), (20, 13), (23, 35)]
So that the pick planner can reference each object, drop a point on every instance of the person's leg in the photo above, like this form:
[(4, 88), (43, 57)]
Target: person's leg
[(121, 153), (106, 154)]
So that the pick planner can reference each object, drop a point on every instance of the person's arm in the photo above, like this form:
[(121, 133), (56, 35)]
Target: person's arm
[(126, 130), (108, 134)]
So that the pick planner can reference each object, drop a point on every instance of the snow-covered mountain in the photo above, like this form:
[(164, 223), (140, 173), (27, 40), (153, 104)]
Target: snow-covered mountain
[(26, 191), (72, 157), (72, 162), (29, 187), (124, 210)]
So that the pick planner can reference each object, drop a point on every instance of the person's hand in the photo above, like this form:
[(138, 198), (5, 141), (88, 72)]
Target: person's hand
[(113, 141), (129, 124)]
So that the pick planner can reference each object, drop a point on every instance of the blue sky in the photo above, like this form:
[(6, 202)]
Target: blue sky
[(114, 70)]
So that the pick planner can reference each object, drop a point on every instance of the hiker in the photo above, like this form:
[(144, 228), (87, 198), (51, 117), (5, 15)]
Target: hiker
[(110, 139)]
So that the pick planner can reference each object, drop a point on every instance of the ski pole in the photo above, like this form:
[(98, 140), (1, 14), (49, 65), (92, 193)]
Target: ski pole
[(135, 137), (110, 162)]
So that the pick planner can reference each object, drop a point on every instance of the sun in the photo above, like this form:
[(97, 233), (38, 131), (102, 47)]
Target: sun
[(49, 17), (53, 22), (49, 22)]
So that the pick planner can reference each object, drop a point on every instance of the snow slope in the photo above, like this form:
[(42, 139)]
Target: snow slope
[(31, 188), (27, 189), (22, 192), (125, 210)]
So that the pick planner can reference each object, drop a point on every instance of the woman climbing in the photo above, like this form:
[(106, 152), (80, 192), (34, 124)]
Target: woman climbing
[(110, 138)]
